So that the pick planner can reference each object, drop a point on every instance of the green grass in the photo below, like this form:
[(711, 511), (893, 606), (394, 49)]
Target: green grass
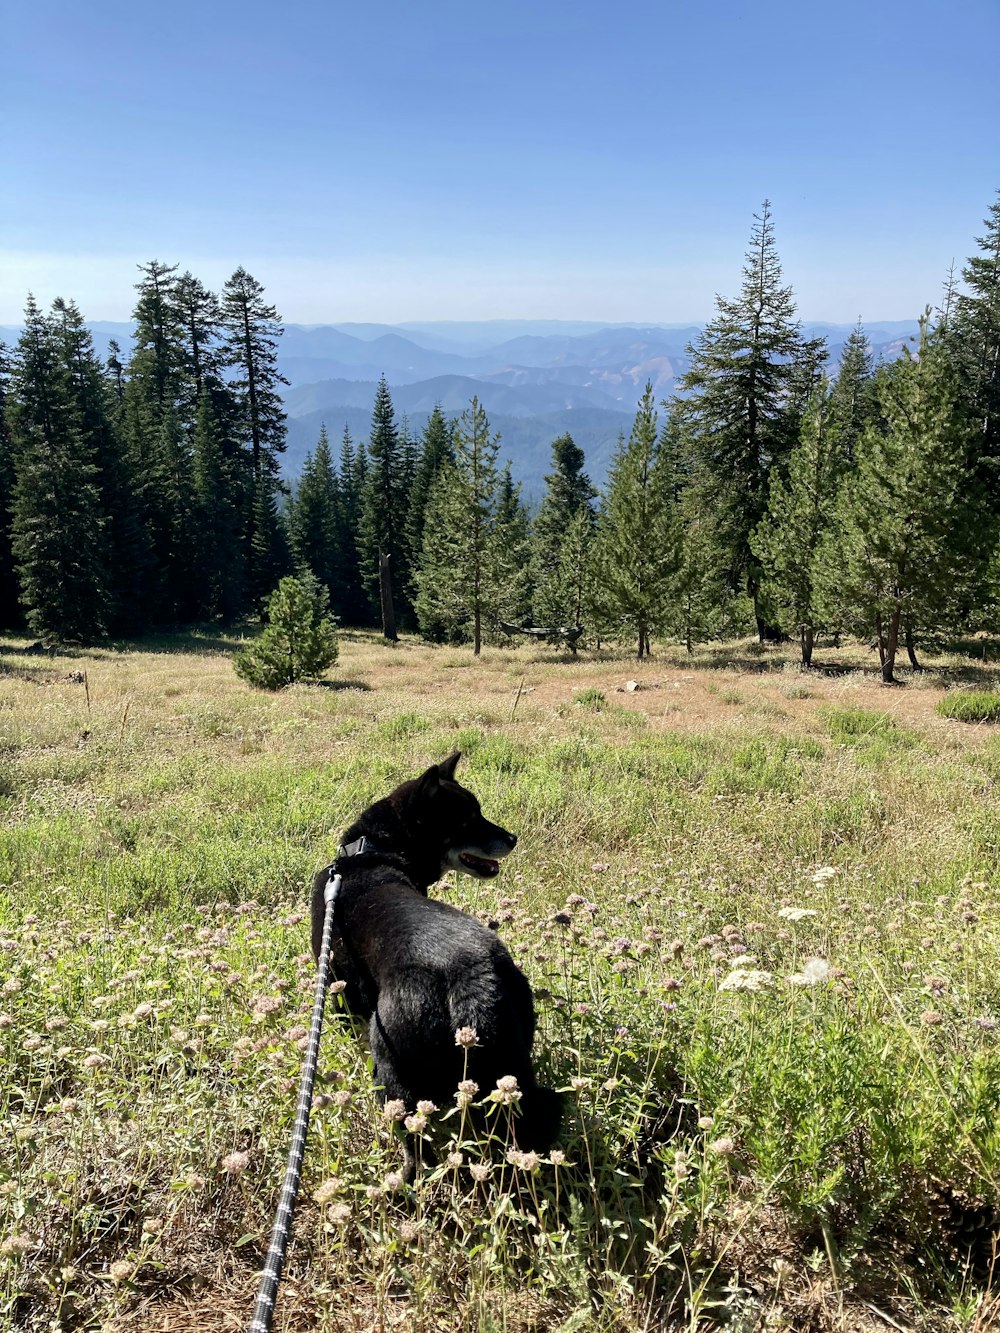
[(970, 705), (770, 995)]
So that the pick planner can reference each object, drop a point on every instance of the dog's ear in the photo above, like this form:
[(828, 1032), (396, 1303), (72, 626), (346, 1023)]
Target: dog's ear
[(447, 766), (428, 784)]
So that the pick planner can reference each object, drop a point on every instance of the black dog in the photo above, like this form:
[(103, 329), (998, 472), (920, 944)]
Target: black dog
[(420, 970)]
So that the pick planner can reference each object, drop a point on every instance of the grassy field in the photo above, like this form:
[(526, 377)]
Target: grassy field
[(759, 908)]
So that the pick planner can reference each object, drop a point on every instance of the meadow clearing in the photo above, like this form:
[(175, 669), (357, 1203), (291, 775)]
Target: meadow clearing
[(759, 908)]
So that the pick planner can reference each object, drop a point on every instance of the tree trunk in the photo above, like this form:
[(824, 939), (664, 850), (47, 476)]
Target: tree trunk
[(477, 630), (891, 645), (911, 647), (807, 635), (385, 591)]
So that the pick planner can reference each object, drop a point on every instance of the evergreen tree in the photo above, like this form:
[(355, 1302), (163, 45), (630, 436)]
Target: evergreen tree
[(458, 582), (852, 397), (270, 557), (383, 516), (126, 553), (350, 599), (436, 448), (557, 573), (508, 587), (904, 549), (218, 525), (57, 521), (10, 612), (198, 320), (314, 517), (635, 547), (977, 325), (751, 372), (250, 332), (299, 642), (799, 512)]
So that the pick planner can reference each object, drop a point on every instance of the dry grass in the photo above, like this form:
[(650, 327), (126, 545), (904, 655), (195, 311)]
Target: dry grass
[(145, 794)]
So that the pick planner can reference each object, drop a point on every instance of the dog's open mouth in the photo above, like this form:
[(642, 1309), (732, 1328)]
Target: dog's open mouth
[(479, 865)]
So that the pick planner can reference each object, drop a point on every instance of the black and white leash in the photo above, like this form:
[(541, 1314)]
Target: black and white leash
[(267, 1292)]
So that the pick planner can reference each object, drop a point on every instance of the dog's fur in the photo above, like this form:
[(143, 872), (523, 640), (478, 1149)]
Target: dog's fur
[(418, 969)]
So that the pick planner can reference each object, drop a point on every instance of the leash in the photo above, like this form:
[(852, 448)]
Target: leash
[(267, 1292)]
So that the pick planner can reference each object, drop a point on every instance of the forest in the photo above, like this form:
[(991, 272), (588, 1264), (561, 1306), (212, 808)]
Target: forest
[(771, 493)]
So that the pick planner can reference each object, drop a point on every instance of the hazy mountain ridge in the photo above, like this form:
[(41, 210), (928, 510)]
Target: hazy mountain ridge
[(535, 378)]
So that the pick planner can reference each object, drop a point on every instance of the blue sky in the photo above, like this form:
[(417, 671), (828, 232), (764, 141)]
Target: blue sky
[(438, 160)]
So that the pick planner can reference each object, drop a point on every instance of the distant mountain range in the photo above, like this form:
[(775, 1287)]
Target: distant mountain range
[(536, 378)]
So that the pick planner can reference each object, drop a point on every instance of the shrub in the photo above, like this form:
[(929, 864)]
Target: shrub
[(971, 706), (299, 642)]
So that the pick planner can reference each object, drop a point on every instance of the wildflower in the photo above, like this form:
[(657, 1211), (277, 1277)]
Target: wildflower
[(95, 1060), (55, 1024), (706, 1122), (579, 1084), (426, 1108), (557, 1157), (6, 1021), (408, 1232), (393, 1181), (582, 1009), (32, 1043), (336, 987), (325, 1192), (681, 1168), (610, 1084), (394, 1109), (824, 874), (142, 1010), (152, 1226), (266, 1004), (479, 1171), (467, 1090), (755, 980), (525, 1161), (69, 1104), (722, 1147), (12, 985), (415, 1124), (466, 1037), (816, 970), (340, 1214), (931, 1017), (670, 983), (987, 1024), (507, 1090), (235, 1162), (120, 1270), (343, 1097), (796, 913), (67, 1274), (744, 960)]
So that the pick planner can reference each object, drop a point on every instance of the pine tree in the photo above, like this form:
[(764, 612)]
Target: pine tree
[(508, 587), (314, 517), (751, 372), (977, 324), (436, 448), (904, 548), (250, 332), (218, 523), (57, 520), (198, 320), (457, 583), (799, 511), (635, 547), (299, 641), (350, 599), (852, 397), (565, 519), (10, 612), (270, 557), (126, 552), (383, 518)]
